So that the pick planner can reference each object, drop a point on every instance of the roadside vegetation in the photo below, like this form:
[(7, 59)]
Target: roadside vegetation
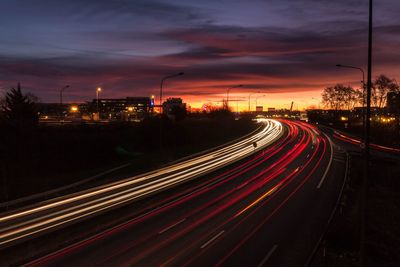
[(343, 241), (344, 111)]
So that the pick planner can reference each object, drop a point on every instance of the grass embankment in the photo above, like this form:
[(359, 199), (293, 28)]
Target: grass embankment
[(50, 157), (381, 216)]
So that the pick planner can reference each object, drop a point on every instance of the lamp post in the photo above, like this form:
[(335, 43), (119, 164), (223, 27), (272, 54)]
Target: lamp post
[(369, 84), (61, 93), (363, 77), (227, 94), (258, 98), (249, 99), (98, 90), (162, 83), (161, 93), (352, 67), (61, 99), (363, 88)]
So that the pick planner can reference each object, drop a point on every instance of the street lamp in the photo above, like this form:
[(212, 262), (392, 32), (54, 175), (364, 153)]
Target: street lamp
[(61, 99), (162, 83), (161, 93), (258, 98), (227, 94), (363, 85), (98, 90), (366, 138), (249, 99), (352, 67), (61, 93), (357, 68)]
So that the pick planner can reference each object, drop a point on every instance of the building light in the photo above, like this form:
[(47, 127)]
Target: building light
[(130, 109), (74, 108), (344, 118)]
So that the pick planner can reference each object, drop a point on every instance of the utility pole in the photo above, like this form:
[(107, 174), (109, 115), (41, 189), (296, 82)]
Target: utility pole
[(61, 100), (227, 94), (364, 201)]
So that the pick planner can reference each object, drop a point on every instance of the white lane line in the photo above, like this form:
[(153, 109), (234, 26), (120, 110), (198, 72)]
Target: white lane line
[(329, 164), (212, 239), (171, 226), (267, 256)]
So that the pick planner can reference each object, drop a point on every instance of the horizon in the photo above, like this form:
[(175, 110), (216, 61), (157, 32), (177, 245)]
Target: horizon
[(287, 51)]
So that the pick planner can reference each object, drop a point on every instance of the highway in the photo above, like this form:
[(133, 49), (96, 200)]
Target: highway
[(264, 200)]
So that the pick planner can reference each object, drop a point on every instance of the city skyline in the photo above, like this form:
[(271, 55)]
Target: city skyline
[(288, 51)]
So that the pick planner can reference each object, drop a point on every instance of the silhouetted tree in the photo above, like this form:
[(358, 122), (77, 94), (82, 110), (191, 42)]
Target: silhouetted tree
[(340, 97), (178, 112), (18, 110), (381, 86)]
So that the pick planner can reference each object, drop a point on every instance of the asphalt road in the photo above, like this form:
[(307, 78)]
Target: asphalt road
[(268, 208)]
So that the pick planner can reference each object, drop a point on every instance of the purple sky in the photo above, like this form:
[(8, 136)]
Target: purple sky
[(286, 48)]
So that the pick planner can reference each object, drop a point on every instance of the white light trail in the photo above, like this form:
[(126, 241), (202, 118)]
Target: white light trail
[(61, 211)]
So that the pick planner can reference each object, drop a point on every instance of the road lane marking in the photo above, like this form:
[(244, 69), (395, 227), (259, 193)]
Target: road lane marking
[(269, 192), (267, 256), (212, 239), (329, 164), (171, 226)]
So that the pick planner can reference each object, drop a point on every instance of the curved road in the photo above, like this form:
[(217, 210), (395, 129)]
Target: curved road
[(263, 201)]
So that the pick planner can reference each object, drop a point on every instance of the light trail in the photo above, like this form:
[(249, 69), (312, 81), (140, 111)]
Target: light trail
[(60, 212), (287, 180), (358, 142), (199, 190), (276, 168), (237, 203)]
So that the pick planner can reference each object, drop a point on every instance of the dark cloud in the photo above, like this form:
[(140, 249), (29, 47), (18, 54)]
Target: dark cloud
[(127, 46)]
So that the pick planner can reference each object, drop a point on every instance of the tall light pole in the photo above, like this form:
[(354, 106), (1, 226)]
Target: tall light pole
[(162, 83), (61, 99), (98, 90), (363, 77), (227, 94), (161, 110), (249, 99), (61, 94), (352, 67), (363, 86), (258, 98), (369, 85), (364, 202)]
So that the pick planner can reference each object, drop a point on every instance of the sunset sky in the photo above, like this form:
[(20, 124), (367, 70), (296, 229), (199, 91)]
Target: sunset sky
[(287, 49)]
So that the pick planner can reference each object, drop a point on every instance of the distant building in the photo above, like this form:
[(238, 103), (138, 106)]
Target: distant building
[(271, 109), (259, 108), (170, 103), (52, 110), (393, 103), (174, 107), (126, 109)]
